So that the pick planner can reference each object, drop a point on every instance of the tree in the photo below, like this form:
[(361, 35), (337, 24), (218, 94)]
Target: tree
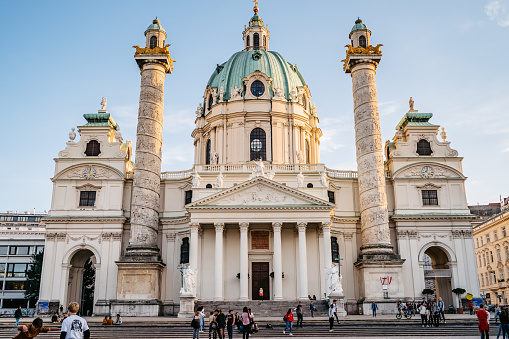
[(427, 291), (88, 288), (33, 282), (459, 291)]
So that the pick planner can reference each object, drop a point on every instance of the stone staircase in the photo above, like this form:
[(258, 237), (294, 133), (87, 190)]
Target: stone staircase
[(265, 308)]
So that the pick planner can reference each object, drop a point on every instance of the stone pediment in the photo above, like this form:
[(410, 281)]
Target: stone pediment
[(261, 192), (439, 171), (96, 170)]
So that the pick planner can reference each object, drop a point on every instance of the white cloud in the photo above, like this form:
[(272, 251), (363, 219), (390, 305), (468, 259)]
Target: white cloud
[(389, 107), (498, 10), (505, 150)]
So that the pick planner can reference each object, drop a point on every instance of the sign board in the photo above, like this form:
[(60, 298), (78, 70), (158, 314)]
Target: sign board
[(43, 307), (488, 296), (470, 296), (260, 240), (53, 306)]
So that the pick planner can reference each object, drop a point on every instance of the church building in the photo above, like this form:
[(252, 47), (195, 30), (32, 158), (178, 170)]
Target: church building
[(258, 212)]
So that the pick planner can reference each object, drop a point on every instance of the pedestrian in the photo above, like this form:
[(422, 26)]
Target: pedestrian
[(74, 326), (54, 317), (331, 317), (504, 321), (18, 315), (300, 315), (312, 308), (422, 312), (497, 313), (435, 316), (105, 320), (238, 322), (32, 330), (335, 303), (441, 309), (428, 314), (484, 322), (246, 323), (195, 324), (61, 310), (118, 321), (221, 323), (260, 293), (289, 321), (374, 307), (202, 318), (230, 321), (424, 301), (471, 307), (213, 330)]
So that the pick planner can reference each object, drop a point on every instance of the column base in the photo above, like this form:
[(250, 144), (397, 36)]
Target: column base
[(372, 269), (137, 308), (341, 312), (186, 307), (243, 299), (279, 298)]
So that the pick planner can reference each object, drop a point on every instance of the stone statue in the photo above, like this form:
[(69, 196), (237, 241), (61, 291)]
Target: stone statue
[(323, 179), (293, 95), (335, 280), (219, 180), (278, 93), (199, 110), (196, 179), (443, 134), (314, 110), (221, 94), (300, 96), (72, 134), (411, 104), (118, 135), (188, 282), (103, 103), (300, 157), (270, 175), (235, 92), (300, 180), (214, 158), (214, 96)]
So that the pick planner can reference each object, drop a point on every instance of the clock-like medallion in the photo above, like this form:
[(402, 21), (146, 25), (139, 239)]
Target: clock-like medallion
[(89, 173), (427, 172)]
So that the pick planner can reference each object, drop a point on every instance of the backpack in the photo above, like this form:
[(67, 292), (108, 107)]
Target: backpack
[(195, 323)]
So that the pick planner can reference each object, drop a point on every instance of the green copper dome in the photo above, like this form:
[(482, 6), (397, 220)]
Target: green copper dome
[(230, 74), (359, 25), (156, 26), (256, 20)]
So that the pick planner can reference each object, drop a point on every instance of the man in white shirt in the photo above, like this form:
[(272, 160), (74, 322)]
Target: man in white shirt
[(74, 326)]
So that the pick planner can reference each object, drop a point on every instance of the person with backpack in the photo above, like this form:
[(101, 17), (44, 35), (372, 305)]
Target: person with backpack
[(441, 309), (246, 323), (221, 323), (18, 315), (195, 324), (213, 326), (289, 321)]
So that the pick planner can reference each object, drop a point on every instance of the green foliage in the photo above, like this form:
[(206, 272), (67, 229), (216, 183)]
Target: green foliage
[(33, 282), (427, 291), (88, 287), (459, 291)]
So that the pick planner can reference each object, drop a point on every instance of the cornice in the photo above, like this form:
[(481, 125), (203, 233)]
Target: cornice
[(175, 221), (345, 220), (260, 207), (85, 219), (409, 217)]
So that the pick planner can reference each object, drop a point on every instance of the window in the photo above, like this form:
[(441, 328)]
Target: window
[(482, 241), (208, 186), (496, 235), (211, 101), (258, 144), (423, 147), (482, 280), (189, 197), (504, 234), (501, 275), (256, 40), (19, 250), (87, 198), (264, 41), (488, 238), (334, 249), (477, 242), (2, 270), (499, 256), (153, 42), (248, 42), (3, 250), (332, 197), (93, 148), (507, 252), (309, 185), (184, 251), (257, 88), (14, 303), (14, 285), (362, 41), (207, 153), (429, 197), (484, 259), (486, 275), (16, 270), (491, 256), (308, 158), (494, 277)]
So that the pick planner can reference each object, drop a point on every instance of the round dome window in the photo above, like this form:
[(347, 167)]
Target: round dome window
[(256, 145), (257, 88)]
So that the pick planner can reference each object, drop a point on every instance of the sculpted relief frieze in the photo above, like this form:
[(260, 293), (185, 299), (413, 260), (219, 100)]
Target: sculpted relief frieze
[(89, 172), (259, 195), (439, 171)]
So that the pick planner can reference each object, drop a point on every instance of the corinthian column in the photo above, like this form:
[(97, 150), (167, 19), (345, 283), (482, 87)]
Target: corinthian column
[(244, 262), (303, 262), (277, 262), (218, 271)]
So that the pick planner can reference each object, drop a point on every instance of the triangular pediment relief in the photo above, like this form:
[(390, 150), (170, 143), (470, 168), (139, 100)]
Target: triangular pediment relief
[(89, 171), (439, 171), (261, 192)]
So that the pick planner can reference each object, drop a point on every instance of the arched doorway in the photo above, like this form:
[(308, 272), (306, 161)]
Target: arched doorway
[(437, 274), (82, 281)]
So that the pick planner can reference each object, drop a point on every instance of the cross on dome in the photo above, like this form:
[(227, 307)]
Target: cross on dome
[(255, 9)]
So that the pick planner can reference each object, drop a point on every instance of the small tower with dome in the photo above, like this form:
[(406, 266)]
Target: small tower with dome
[(256, 36), (360, 34), (155, 35)]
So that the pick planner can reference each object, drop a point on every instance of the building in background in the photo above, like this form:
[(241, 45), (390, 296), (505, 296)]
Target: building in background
[(484, 212), (492, 254), (21, 236)]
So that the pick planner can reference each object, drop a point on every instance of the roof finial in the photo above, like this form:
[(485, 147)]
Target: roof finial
[(255, 9)]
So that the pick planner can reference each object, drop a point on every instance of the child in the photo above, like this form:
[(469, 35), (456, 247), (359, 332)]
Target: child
[(32, 330)]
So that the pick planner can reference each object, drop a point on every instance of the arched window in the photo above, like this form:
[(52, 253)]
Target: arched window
[(423, 147), (248, 41), (257, 88), (362, 41), (93, 148), (309, 185), (308, 158), (208, 186), (184, 251), (305, 102), (334, 249), (207, 153), (265, 41), (258, 144), (256, 40), (153, 42), (211, 101)]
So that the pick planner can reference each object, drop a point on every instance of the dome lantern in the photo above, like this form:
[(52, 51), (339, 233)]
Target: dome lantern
[(360, 34), (256, 36), (155, 34)]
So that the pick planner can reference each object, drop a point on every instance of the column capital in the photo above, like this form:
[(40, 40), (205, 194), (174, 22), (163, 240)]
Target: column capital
[(276, 226), (244, 226), (170, 237), (219, 226), (301, 226), (195, 227), (326, 225)]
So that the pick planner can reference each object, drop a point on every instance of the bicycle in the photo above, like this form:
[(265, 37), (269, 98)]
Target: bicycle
[(400, 315)]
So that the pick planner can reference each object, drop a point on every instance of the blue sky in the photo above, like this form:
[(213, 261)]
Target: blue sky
[(60, 57)]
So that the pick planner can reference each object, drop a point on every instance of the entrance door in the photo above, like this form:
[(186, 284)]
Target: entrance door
[(260, 271)]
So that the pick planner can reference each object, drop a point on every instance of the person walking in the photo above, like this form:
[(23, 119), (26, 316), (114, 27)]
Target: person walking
[(504, 321), (230, 321), (202, 318), (195, 324), (422, 312), (312, 308), (221, 323), (33, 330), (289, 321), (246, 323), (471, 307), (213, 328), (374, 307), (484, 322), (18, 315), (335, 303), (331, 317), (300, 315), (74, 326), (441, 309), (497, 313)]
